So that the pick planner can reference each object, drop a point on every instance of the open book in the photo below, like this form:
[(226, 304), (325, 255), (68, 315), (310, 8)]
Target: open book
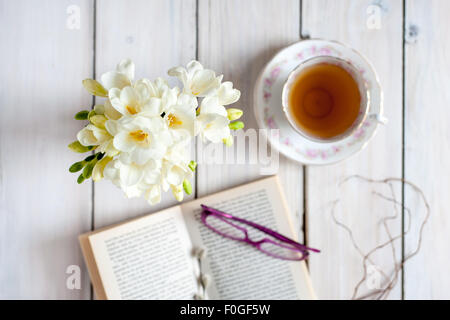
[(151, 257)]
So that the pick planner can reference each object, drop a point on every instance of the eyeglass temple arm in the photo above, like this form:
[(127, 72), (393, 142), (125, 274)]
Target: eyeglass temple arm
[(259, 227)]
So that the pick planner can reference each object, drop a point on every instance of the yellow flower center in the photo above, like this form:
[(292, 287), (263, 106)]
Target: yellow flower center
[(131, 110), (173, 121), (138, 135)]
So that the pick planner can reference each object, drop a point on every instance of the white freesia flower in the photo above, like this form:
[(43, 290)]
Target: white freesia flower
[(149, 98), (212, 122), (119, 78), (140, 138), (159, 91), (143, 130), (129, 101), (181, 116), (196, 80)]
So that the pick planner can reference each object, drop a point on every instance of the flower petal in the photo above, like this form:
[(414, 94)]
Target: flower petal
[(153, 194), (114, 79), (112, 127), (180, 73), (203, 83), (129, 97), (130, 175), (141, 155), (122, 142), (110, 111), (211, 105), (194, 66), (228, 95), (126, 67), (116, 103)]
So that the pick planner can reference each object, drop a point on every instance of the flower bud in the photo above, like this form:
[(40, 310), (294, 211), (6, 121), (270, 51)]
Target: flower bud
[(77, 166), (205, 280), (82, 115), (234, 113), (91, 114), (192, 165), (97, 172), (199, 253), (228, 141), (187, 186), (177, 192), (80, 179), (90, 158), (99, 109), (98, 121), (87, 171), (236, 125), (76, 146), (95, 88)]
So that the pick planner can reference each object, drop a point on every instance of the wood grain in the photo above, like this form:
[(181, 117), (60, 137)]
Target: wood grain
[(237, 38), (338, 268), (427, 151), (42, 209), (156, 35)]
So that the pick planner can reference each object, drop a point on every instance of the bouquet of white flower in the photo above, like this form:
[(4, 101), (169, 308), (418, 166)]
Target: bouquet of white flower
[(141, 133)]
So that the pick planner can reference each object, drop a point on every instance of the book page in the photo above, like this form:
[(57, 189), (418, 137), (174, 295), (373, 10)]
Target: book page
[(147, 258), (238, 270)]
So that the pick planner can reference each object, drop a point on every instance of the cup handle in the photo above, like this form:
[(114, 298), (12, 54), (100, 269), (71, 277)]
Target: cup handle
[(379, 118)]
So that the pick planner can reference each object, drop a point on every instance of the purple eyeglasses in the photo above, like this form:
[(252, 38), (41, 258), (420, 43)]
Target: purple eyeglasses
[(277, 245)]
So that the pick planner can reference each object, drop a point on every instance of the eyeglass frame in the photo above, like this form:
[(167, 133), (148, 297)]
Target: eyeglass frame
[(293, 245)]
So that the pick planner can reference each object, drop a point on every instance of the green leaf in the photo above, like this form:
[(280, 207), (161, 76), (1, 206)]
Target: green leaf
[(192, 165), (77, 166), (87, 171), (82, 115), (94, 87), (100, 155), (236, 125), (187, 186), (76, 146), (80, 179)]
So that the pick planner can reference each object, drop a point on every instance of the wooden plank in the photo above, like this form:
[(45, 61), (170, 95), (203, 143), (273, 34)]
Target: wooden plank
[(426, 146), (42, 209), (156, 35), (338, 268), (237, 38)]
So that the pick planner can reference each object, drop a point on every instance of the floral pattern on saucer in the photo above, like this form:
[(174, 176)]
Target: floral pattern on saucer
[(269, 112)]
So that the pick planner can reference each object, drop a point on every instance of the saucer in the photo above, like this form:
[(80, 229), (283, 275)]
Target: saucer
[(269, 111)]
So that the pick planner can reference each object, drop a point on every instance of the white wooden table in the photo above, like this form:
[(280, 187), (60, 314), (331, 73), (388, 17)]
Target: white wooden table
[(44, 59)]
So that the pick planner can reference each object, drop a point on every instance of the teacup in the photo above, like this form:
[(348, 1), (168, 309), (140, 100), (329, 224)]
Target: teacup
[(326, 99)]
